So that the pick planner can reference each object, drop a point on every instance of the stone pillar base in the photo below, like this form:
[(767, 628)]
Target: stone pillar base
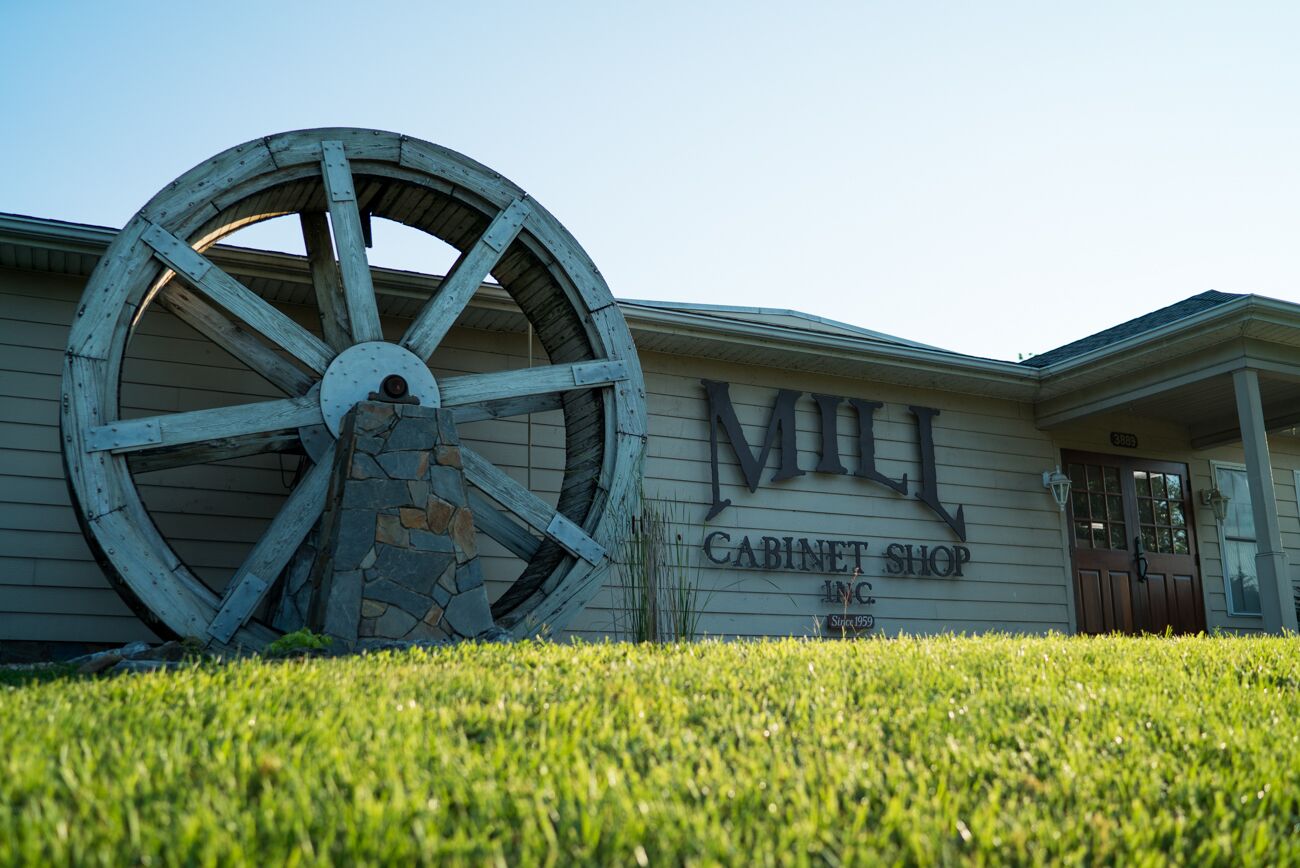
[(397, 557)]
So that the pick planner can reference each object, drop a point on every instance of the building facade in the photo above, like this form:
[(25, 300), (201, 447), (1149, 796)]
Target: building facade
[(813, 478)]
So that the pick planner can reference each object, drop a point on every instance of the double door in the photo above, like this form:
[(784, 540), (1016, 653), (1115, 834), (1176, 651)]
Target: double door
[(1133, 545)]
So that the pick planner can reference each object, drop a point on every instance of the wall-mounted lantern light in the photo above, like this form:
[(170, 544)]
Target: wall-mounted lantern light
[(1059, 484), (1216, 500)]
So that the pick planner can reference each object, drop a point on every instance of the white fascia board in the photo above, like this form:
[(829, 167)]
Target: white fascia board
[(55, 234), (723, 310), (709, 328)]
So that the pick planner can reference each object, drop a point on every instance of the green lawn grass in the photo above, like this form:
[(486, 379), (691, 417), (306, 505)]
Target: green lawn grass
[(1001, 749)]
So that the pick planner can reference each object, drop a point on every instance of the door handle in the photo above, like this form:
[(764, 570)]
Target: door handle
[(1140, 557)]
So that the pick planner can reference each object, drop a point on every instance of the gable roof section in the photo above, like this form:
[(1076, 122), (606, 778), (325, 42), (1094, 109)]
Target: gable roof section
[(1145, 323), (1192, 333), (779, 317)]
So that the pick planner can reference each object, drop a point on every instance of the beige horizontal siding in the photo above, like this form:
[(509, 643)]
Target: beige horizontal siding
[(988, 452), (989, 459), (64, 627)]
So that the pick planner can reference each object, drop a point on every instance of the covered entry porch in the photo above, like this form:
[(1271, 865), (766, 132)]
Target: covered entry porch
[(1223, 372)]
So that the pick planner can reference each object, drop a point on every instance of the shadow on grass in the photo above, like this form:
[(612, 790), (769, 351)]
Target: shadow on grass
[(38, 674)]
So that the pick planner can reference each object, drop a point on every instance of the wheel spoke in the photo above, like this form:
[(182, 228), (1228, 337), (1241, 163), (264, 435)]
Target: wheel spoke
[(479, 388), (268, 558), (238, 299), (168, 457), (325, 279), (529, 507), (458, 287), (495, 524), (358, 286), (205, 319), (155, 433), (506, 408)]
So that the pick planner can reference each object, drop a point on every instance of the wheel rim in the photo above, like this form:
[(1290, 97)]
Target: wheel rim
[(594, 376)]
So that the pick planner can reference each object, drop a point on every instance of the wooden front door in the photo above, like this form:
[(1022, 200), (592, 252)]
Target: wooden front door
[(1133, 545)]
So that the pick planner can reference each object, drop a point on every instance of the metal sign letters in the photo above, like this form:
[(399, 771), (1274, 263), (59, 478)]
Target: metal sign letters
[(781, 431)]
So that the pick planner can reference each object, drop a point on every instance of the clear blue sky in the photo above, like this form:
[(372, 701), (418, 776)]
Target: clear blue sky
[(994, 178)]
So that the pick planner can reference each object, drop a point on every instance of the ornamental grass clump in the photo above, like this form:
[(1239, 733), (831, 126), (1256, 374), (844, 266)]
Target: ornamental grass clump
[(656, 585)]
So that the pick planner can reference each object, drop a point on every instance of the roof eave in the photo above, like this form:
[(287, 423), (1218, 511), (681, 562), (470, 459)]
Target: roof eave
[(710, 335), (1187, 335), (959, 373)]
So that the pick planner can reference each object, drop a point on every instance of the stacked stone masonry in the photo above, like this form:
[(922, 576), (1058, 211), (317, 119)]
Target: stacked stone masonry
[(397, 558)]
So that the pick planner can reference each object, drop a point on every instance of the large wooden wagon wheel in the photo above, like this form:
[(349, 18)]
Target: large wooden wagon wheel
[(594, 376)]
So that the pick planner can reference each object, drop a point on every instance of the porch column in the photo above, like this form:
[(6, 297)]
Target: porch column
[(1276, 600)]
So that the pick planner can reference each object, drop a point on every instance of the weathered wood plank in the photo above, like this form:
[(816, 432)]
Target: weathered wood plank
[(500, 487), (124, 274), (173, 594), (535, 512), (204, 426), (480, 388), (345, 218), (574, 539), (245, 592), (238, 299), (447, 165), (194, 194), (504, 409), (273, 551), (470, 270), (222, 449), (495, 524), (325, 279), (82, 411), (303, 146), (210, 322), (570, 260)]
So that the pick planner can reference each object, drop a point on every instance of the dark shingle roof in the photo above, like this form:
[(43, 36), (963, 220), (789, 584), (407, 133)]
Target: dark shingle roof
[(1145, 323)]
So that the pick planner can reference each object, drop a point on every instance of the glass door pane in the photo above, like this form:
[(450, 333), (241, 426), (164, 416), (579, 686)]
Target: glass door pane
[(1162, 513), (1097, 507)]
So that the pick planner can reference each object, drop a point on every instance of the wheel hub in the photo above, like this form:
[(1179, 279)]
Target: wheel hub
[(394, 386), (374, 367)]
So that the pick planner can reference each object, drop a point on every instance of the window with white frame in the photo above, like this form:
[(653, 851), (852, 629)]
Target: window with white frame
[(1237, 541)]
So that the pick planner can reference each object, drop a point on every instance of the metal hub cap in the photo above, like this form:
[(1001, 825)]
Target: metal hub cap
[(376, 366)]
